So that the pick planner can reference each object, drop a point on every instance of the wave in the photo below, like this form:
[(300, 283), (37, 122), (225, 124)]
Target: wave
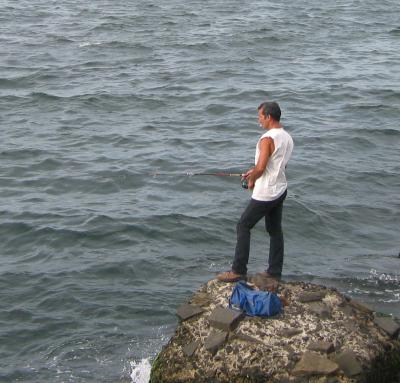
[(106, 228), (26, 82), (105, 101), (395, 31), (140, 372), (117, 44), (361, 142), (16, 82), (375, 107), (43, 96), (24, 153), (374, 132), (366, 285), (89, 44)]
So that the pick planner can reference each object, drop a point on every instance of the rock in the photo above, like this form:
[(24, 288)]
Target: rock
[(246, 338), (254, 374), (351, 325), (214, 341), (264, 283), (224, 318), (388, 325), (360, 306), (314, 364), (320, 309), (325, 347), (273, 349), (283, 379), (289, 332), (187, 311), (190, 349), (348, 363), (201, 299), (311, 296), (347, 310), (228, 349)]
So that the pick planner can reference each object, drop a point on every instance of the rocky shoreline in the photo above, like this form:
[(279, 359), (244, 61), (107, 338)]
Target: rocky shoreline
[(322, 336)]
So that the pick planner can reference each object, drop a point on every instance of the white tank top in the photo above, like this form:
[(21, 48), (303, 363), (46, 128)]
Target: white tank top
[(272, 184)]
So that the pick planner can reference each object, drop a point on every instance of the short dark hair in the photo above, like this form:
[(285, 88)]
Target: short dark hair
[(272, 109)]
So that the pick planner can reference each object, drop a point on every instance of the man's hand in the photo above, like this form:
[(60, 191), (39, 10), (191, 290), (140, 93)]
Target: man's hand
[(247, 174), (250, 183)]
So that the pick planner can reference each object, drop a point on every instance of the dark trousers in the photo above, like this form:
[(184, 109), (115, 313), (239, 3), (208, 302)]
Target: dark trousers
[(255, 210)]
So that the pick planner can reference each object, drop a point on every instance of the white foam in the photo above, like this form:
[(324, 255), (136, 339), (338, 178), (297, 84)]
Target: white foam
[(88, 44), (141, 371), (383, 277)]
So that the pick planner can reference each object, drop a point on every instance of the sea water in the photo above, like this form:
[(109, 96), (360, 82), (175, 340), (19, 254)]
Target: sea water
[(106, 106)]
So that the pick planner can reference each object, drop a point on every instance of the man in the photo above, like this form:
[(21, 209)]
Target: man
[(268, 182)]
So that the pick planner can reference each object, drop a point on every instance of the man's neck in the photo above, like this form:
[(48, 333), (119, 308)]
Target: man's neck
[(275, 125)]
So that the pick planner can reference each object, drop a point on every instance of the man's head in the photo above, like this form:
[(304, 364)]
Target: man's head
[(271, 109)]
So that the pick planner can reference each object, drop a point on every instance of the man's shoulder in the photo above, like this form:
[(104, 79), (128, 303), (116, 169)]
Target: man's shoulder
[(275, 132), (286, 133)]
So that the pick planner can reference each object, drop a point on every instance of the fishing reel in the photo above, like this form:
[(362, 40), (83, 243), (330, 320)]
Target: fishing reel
[(245, 184)]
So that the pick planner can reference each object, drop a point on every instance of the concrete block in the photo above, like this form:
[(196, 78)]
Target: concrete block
[(325, 347), (347, 310), (224, 318), (311, 296), (289, 332), (246, 338), (348, 363), (388, 325), (360, 306), (320, 309), (190, 349), (214, 341), (187, 311), (314, 364), (201, 299)]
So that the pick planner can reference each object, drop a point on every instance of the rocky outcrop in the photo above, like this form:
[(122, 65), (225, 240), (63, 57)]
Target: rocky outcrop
[(322, 336)]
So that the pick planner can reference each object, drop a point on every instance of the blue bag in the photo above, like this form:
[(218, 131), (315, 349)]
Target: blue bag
[(254, 302)]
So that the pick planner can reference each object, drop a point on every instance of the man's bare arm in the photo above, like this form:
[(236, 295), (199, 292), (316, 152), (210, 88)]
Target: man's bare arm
[(267, 147)]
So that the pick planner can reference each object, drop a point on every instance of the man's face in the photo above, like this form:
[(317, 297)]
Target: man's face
[(264, 121)]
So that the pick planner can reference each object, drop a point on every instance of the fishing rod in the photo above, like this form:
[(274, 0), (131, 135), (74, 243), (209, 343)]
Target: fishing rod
[(215, 174), (191, 174), (218, 174)]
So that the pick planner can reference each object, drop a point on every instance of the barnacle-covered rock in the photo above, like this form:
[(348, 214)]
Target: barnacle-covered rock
[(322, 336)]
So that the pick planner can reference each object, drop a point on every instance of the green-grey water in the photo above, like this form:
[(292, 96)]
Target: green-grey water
[(96, 251)]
